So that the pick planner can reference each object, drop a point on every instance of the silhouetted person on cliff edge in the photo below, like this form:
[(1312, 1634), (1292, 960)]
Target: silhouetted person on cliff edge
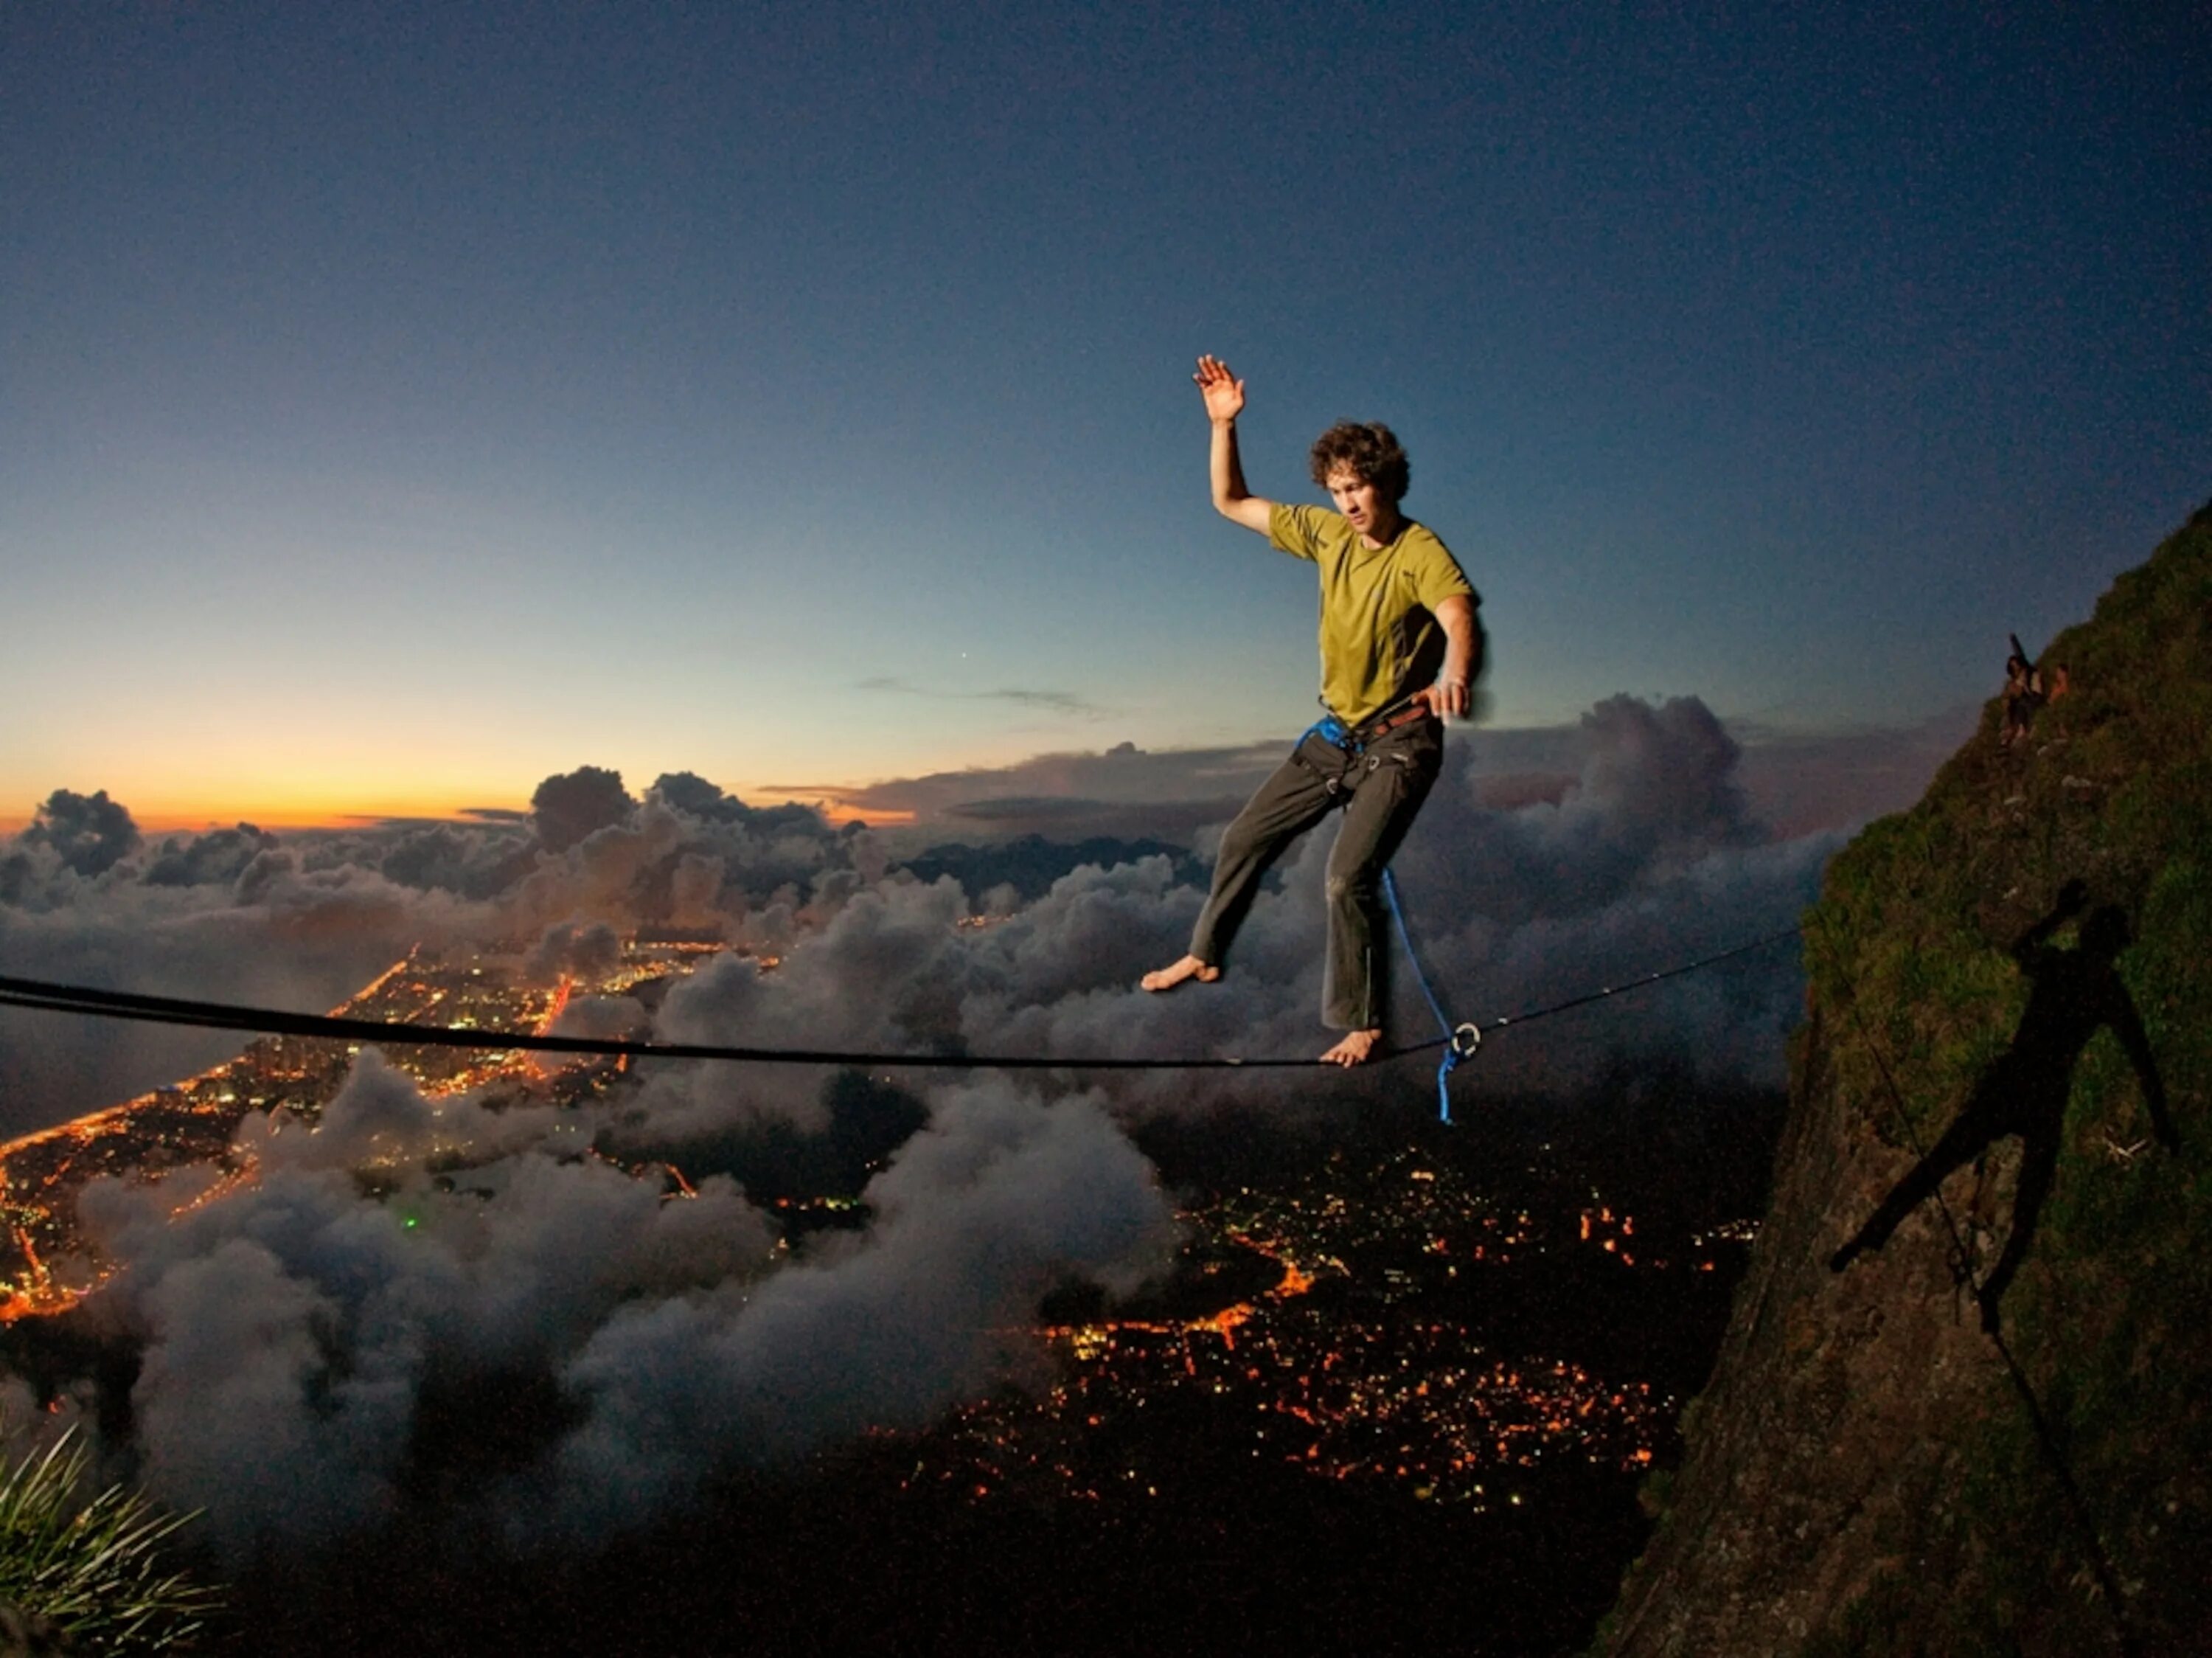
[(2024, 1091), (2024, 693)]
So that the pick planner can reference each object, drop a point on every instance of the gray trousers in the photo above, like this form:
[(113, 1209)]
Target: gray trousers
[(1380, 790)]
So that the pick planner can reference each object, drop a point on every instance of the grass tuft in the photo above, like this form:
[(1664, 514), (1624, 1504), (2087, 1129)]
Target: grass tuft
[(93, 1568)]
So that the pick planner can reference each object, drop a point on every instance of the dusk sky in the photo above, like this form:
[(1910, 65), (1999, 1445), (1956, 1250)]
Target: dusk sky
[(401, 402)]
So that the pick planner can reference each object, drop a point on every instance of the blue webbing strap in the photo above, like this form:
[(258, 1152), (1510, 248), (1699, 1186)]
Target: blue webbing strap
[(1455, 1048), (1334, 730)]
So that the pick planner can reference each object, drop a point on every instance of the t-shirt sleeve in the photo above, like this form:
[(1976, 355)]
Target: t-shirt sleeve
[(1437, 575), (1298, 531)]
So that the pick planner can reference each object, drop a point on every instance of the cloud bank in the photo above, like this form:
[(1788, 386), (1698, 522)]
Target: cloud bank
[(299, 1330), (1548, 859), (291, 1329), (1524, 888), (302, 920)]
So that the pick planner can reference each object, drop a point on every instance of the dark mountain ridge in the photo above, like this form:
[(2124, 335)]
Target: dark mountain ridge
[(1870, 1469)]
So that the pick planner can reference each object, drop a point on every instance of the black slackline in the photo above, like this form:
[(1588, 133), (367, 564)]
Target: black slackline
[(42, 996), (1599, 995), (220, 1016)]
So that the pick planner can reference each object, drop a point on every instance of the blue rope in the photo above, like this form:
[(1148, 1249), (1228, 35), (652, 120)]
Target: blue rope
[(1453, 1047)]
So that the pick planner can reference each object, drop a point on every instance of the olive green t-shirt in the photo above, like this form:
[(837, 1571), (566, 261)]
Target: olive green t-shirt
[(1379, 639)]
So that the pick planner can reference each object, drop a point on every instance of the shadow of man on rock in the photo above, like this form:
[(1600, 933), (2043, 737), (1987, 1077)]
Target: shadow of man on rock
[(2076, 993)]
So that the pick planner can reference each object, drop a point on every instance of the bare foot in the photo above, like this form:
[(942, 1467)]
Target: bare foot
[(1189, 968), (1354, 1049)]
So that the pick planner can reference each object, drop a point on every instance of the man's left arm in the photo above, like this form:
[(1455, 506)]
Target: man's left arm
[(1453, 694)]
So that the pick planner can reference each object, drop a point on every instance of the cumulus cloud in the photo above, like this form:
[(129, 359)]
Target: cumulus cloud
[(290, 1326), (567, 808), (89, 834), (688, 792), (288, 1329), (220, 856), (577, 950), (601, 1017), (379, 1118), (997, 1200), (468, 860)]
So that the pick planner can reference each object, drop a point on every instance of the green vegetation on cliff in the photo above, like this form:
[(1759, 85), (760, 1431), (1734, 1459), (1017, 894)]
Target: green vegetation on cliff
[(1864, 1474), (2114, 788)]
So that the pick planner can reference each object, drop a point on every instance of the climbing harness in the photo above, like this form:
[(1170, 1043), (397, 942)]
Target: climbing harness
[(1354, 738)]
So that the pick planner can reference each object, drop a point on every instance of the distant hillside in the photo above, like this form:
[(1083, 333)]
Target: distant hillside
[(1031, 863), (1866, 1472)]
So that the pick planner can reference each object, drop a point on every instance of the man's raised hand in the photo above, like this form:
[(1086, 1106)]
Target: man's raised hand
[(1222, 392)]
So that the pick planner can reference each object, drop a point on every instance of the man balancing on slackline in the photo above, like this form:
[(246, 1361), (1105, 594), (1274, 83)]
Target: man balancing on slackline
[(1399, 649)]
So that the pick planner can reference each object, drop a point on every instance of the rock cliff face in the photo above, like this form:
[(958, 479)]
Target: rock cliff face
[(1869, 1470)]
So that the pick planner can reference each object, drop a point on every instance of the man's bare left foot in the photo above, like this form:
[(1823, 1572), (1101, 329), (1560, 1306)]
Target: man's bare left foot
[(1166, 979), (1354, 1050)]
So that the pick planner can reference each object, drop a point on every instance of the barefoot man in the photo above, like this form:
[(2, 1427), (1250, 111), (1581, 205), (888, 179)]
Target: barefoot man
[(1399, 649)]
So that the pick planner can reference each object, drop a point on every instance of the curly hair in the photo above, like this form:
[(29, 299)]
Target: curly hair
[(1368, 448)]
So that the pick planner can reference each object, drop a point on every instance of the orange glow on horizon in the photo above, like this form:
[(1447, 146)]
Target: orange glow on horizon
[(168, 819), (833, 810), (172, 817)]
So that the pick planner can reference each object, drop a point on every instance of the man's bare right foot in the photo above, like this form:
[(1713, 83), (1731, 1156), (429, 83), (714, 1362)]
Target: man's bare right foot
[(1166, 979), (1354, 1050)]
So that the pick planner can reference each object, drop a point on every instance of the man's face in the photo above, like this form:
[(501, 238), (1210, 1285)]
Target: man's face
[(1362, 505)]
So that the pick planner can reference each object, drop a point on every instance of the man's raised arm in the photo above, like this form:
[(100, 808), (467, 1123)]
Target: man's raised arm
[(1224, 400)]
